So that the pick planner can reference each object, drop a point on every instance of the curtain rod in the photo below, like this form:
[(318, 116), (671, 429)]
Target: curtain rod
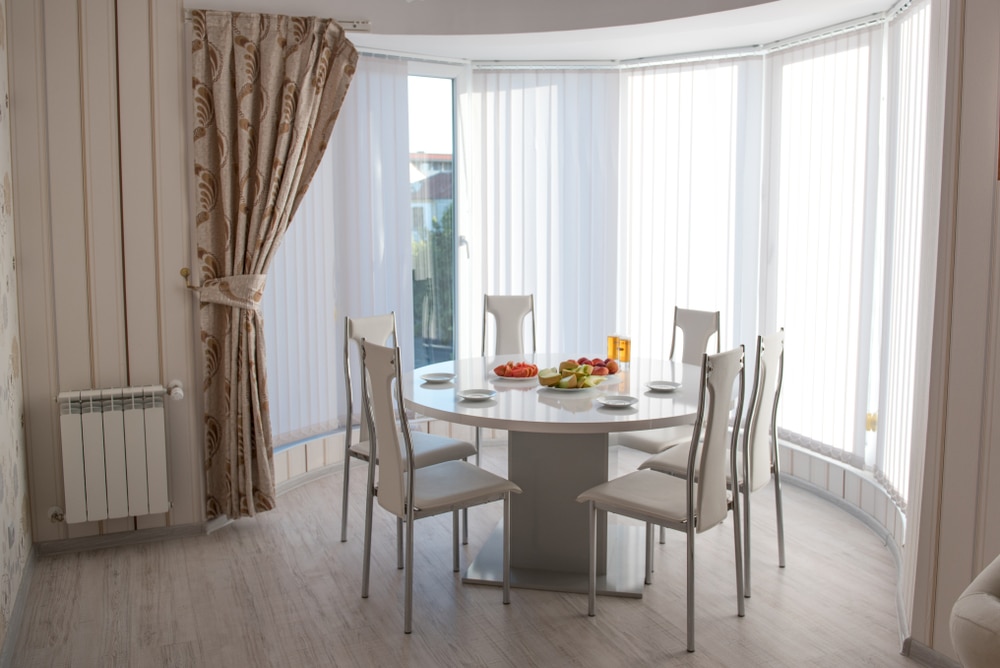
[(349, 25), (722, 54)]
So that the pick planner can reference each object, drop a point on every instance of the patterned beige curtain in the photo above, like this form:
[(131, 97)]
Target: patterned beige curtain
[(267, 90)]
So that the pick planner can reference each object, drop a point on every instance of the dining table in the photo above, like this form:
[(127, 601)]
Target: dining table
[(557, 447)]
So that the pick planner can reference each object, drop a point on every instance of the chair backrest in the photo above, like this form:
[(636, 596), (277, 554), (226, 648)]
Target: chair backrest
[(697, 327), (509, 312), (377, 328), (759, 433), (707, 461), (382, 386)]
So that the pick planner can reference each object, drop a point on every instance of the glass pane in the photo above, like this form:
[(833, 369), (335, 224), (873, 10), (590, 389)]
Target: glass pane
[(432, 196)]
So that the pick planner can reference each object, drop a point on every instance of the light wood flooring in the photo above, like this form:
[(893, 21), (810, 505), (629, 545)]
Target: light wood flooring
[(282, 590)]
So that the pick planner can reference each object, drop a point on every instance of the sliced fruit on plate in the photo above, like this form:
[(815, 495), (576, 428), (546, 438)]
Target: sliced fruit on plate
[(516, 370), (549, 377)]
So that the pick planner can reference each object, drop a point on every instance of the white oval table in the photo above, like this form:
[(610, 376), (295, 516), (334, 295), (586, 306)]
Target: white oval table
[(557, 448)]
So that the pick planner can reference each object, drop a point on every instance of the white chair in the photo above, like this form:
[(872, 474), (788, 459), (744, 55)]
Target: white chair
[(412, 493), (509, 313), (758, 458), (680, 503), (428, 448), (697, 328)]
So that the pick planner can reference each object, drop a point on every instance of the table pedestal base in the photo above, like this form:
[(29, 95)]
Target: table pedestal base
[(625, 574)]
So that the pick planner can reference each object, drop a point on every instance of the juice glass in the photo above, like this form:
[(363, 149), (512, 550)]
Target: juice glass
[(613, 346), (624, 350)]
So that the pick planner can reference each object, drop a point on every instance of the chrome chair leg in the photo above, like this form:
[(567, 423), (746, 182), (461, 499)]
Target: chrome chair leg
[(408, 603), (454, 541), (343, 504), (690, 589), (738, 546), (506, 548), (369, 504), (399, 543), (649, 552), (780, 518), (592, 571)]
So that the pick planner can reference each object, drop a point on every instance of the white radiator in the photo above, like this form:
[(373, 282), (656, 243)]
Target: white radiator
[(114, 452)]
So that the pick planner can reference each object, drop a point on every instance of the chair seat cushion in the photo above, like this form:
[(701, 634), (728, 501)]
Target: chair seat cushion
[(654, 440), (456, 484), (675, 461), (645, 495), (428, 449)]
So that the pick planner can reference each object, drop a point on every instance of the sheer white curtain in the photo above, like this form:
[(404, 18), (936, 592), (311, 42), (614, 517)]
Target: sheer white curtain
[(538, 196), (820, 204), (347, 252), (679, 185)]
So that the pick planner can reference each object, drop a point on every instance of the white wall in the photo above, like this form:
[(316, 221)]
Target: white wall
[(15, 525), (98, 108), (959, 527)]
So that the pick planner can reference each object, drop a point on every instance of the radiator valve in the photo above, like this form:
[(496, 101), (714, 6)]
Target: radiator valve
[(56, 514), (175, 390)]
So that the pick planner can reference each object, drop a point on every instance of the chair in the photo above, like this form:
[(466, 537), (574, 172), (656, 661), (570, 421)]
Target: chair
[(509, 312), (759, 454), (428, 448), (697, 328), (680, 503), (975, 620), (410, 492)]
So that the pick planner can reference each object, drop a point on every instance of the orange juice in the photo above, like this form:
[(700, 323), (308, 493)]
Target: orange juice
[(613, 346), (624, 349)]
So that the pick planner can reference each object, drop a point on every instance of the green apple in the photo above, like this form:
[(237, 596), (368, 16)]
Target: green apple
[(568, 365), (549, 377), (567, 382)]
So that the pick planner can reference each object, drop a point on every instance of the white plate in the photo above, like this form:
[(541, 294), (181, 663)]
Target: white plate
[(617, 400), (493, 376), (476, 395), (437, 377), (663, 385), (566, 390)]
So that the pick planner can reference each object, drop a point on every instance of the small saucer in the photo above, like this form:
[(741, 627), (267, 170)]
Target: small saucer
[(437, 377), (617, 400), (476, 394), (663, 385)]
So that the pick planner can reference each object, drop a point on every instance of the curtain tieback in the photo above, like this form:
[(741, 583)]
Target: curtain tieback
[(243, 291)]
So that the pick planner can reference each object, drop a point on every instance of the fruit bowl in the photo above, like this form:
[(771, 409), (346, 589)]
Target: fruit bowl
[(571, 375)]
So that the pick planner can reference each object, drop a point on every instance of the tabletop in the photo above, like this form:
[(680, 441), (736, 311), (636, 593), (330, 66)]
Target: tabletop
[(524, 405)]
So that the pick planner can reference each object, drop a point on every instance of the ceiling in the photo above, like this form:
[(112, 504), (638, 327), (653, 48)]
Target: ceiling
[(747, 27)]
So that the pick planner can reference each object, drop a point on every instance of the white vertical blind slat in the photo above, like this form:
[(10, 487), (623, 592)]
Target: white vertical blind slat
[(342, 254)]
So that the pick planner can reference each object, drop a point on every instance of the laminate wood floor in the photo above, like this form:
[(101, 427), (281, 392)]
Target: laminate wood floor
[(282, 590)]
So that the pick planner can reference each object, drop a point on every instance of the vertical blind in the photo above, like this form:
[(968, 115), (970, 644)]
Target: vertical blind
[(784, 191), (906, 298), (678, 203), (822, 179), (346, 252), (538, 184)]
